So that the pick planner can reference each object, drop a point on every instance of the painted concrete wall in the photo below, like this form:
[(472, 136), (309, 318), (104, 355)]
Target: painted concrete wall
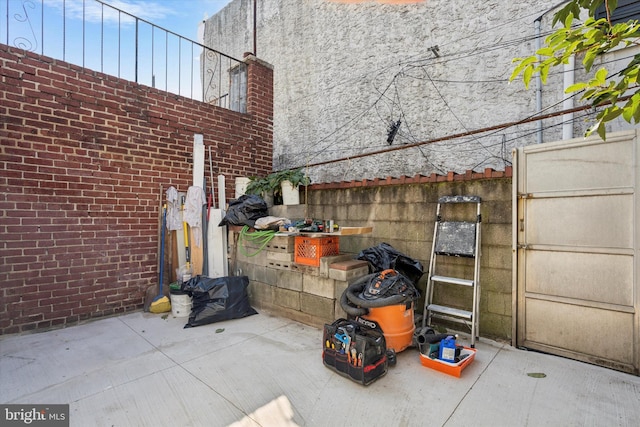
[(344, 71)]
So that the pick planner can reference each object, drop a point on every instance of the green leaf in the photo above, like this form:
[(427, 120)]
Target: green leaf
[(602, 131), (601, 76), (528, 72), (576, 87), (611, 113), (537, 375), (546, 51), (568, 21), (523, 64), (589, 57), (631, 108), (544, 72)]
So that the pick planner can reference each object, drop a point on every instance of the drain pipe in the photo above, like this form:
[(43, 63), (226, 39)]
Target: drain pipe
[(537, 24), (567, 104), (538, 82)]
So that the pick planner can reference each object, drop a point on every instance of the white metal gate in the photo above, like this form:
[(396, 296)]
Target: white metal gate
[(576, 253)]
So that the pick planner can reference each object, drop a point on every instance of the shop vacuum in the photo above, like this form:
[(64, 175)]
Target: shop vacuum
[(384, 299)]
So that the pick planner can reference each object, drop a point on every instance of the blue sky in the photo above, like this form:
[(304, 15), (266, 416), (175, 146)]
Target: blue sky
[(86, 33), (180, 16)]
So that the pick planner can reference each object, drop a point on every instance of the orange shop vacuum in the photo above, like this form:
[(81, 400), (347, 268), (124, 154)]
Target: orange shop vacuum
[(385, 298)]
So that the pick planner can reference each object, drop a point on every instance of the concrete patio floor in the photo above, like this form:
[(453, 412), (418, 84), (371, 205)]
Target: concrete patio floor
[(143, 369)]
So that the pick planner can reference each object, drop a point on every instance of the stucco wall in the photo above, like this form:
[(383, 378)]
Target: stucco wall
[(344, 70)]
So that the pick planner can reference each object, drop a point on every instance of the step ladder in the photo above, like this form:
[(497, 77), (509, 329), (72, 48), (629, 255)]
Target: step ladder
[(455, 238)]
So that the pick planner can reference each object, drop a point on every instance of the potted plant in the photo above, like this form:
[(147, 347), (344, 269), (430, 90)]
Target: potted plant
[(286, 184), (261, 187)]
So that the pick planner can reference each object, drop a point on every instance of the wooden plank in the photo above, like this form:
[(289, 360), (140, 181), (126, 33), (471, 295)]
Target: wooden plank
[(198, 160), (346, 231), (197, 256), (197, 252), (217, 250), (175, 254), (180, 243), (222, 263)]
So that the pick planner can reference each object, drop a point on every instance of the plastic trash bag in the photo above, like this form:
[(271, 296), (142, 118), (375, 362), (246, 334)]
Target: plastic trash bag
[(217, 299), (385, 257), (271, 223), (245, 210)]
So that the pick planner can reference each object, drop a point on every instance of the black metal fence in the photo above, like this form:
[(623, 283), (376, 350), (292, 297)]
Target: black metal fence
[(100, 37)]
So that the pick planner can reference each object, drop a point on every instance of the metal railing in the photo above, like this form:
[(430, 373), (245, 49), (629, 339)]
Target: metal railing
[(100, 37)]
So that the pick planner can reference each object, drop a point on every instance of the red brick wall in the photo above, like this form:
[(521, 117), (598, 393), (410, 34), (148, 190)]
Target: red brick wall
[(82, 159)]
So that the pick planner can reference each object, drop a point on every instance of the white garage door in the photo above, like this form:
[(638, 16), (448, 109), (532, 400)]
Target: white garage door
[(576, 235)]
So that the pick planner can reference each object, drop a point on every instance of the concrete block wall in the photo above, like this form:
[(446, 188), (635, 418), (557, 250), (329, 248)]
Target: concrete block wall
[(402, 213), (301, 292)]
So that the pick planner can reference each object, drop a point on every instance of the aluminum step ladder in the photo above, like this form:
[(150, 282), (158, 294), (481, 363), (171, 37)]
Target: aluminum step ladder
[(455, 238)]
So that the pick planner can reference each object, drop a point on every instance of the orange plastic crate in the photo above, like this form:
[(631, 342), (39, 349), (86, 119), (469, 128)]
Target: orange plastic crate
[(309, 250)]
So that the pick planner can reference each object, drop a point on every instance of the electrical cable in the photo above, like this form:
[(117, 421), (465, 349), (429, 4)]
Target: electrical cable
[(383, 68), (405, 67), (466, 141)]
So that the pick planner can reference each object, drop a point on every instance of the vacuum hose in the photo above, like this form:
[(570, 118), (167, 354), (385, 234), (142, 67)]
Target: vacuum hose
[(353, 304)]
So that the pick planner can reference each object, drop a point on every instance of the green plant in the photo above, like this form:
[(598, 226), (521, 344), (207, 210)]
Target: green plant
[(295, 176), (590, 39), (258, 186), (272, 183)]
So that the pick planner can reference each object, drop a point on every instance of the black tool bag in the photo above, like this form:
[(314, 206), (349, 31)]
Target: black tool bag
[(355, 350)]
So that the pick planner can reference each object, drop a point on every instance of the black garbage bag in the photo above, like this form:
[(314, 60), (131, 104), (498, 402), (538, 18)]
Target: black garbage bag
[(245, 210), (217, 299), (386, 257)]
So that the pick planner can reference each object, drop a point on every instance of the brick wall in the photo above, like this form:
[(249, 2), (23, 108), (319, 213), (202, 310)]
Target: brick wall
[(82, 159)]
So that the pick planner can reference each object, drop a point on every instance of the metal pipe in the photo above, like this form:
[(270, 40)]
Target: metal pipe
[(255, 20), (567, 103), (83, 31), (538, 84), (136, 50), (64, 30), (536, 24)]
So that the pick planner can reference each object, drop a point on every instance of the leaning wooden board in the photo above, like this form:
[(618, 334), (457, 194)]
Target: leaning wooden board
[(197, 250), (346, 231)]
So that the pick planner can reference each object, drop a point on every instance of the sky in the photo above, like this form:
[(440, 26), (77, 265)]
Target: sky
[(97, 37), (180, 16)]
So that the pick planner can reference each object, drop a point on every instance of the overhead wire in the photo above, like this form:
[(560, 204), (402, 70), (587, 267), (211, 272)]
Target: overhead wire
[(316, 147), (453, 143), (323, 149)]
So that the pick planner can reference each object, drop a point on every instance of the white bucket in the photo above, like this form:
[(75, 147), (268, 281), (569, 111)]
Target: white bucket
[(241, 186), (290, 195), (180, 305)]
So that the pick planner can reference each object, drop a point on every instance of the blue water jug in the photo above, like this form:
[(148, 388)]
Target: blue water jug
[(447, 350)]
